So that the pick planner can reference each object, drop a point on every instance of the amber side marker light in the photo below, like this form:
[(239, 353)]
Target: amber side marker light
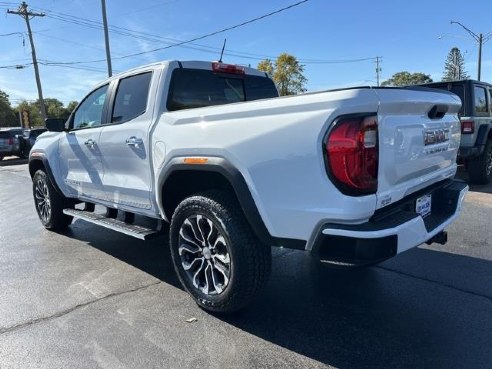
[(195, 160)]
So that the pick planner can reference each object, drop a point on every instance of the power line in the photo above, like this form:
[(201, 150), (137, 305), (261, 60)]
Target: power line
[(203, 36), (174, 42), (15, 66), (12, 33)]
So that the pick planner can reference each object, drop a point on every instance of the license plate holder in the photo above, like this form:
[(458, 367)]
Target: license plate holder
[(423, 205)]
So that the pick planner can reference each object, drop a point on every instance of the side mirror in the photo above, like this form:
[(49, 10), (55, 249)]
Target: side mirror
[(55, 124)]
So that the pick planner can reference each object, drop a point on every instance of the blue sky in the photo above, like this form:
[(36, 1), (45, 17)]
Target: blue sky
[(404, 33)]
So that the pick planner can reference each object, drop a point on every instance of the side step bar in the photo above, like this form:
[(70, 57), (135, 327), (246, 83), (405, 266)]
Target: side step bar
[(114, 224)]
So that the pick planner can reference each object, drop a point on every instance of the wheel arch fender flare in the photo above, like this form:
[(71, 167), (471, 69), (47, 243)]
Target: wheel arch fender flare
[(484, 134), (38, 160), (232, 175)]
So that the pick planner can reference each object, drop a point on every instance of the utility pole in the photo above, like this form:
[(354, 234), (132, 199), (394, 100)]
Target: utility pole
[(378, 69), (480, 43), (27, 15), (481, 39), (106, 37)]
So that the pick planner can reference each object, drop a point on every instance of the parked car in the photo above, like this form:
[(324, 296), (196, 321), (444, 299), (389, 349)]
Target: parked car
[(476, 126), (11, 143), (31, 135), (354, 176)]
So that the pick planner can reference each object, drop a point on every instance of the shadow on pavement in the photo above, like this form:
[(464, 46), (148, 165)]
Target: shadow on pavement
[(408, 312), (462, 174), (12, 160), (152, 256), (376, 317)]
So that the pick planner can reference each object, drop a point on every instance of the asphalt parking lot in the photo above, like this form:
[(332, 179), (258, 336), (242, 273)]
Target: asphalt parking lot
[(93, 298)]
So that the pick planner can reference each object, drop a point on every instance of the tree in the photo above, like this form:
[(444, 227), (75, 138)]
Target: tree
[(71, 107), (454, 67), (406, 79), (8, 118), (54, 109), (35, 119), (287, 73)]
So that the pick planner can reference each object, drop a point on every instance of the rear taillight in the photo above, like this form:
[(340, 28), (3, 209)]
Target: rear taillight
[(351, 150), (11, 141), (467, 126)]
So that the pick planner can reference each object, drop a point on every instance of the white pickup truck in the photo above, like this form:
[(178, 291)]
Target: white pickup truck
[(354, 176)]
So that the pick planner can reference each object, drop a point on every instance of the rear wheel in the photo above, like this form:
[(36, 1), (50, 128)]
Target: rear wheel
[(49, 203), (480, 168), (218, 259)]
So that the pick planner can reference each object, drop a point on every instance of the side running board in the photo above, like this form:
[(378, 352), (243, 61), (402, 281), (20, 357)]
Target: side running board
[(114, 224)]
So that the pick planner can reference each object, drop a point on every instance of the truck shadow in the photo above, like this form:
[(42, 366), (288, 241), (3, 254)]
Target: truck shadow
[(151, 256), (392, 315), (424, 308), (462, 174)]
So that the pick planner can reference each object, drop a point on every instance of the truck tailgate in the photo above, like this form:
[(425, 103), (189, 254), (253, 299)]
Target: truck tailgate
[(419, 136)]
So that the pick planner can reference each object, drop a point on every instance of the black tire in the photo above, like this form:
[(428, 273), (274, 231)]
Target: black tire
[(480, 168), (50, 212), (249, 260), (23, 154)]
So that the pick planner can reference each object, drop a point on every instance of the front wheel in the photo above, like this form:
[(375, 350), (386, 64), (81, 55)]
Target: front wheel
[(49, 203), (480, 168), (218, 259)]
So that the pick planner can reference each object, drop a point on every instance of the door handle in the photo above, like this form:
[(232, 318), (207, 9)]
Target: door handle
[(134, 141), (90, 142)]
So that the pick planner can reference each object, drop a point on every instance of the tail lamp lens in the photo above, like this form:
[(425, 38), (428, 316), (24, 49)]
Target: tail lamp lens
[(352, 155), (467, 126)]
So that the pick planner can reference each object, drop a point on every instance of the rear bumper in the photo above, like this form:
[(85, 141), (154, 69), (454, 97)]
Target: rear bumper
[(391, 230), (8, 152)]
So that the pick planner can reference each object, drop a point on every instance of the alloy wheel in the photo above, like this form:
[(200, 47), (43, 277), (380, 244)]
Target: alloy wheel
[(43, 202), (204, 255)]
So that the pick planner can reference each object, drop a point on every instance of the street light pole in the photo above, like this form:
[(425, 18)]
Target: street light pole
[(481, 40)]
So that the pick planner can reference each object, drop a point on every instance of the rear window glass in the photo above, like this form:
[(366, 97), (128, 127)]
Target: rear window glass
[(480, 100), (196, 88), (460, 91), (4, 135), (457, 89)]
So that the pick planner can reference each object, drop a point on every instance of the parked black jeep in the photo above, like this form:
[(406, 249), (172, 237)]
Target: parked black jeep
[(476, 126)]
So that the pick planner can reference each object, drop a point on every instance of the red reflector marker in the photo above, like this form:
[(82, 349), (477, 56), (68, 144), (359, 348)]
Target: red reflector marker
[(227, 68)]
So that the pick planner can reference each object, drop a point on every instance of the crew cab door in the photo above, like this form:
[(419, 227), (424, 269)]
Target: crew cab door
[(124, 143), (80, 158)]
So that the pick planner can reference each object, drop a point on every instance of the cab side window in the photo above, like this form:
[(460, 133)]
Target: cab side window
[(481, 105), (490, 101), (89, 113), (131, 97)]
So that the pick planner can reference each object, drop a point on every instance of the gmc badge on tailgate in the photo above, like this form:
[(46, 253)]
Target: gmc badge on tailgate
[(435, 136)]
